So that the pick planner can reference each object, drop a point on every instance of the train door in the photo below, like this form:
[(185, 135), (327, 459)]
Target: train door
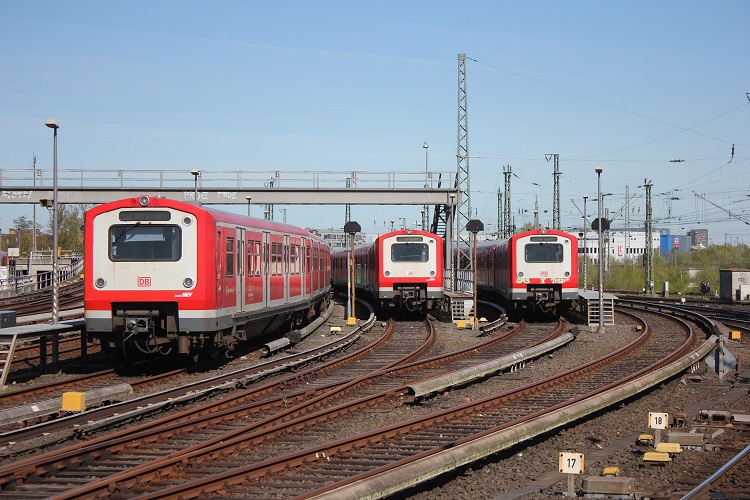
[(240, 270), (266, 271), (229, 296), (219, 268), (286, 269), (304, 286)]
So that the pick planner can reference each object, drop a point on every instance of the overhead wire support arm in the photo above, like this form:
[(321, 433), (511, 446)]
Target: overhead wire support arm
[(723, 209)]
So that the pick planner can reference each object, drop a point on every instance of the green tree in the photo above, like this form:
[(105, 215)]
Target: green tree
[(22, 236), (69, 228)]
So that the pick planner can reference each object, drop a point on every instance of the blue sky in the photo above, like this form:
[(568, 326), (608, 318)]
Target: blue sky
[(341, 85)]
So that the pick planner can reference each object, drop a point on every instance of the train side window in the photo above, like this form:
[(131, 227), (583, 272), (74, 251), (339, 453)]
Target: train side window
[(253, 258), (230, 257), (294, 259), (240, 260), (274, 249), (266, 257)]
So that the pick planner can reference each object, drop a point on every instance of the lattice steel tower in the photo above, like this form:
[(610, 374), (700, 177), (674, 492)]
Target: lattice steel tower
[(556, 201), (463, 185), (507, 218), (648, 254)]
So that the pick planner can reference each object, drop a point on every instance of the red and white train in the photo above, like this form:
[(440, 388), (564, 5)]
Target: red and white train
[(535, 270), (167, 278), (401, 271)]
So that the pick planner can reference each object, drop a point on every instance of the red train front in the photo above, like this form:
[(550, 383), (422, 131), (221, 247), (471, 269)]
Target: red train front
[(399, 271), (535, 270), (166, 277)]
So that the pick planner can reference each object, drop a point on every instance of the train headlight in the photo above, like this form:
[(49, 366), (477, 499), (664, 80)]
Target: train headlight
[(187, 282), (432, 273), (387, 273), (100, 282), (187, 220), (520, 274), (567, 274), (144, 200)]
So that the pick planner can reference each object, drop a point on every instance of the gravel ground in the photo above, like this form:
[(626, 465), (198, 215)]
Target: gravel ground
[(608, 439)]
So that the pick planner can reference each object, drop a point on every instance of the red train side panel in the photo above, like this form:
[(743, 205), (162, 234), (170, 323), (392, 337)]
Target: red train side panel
[(165, 277)]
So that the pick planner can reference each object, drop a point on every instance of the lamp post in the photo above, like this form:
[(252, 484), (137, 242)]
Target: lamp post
[(351, 228), (392, 221), (248, 198), (600, 228), (196, 174), (474, 226), (55, 278), (585, 254), (33, 233), (425, 208)]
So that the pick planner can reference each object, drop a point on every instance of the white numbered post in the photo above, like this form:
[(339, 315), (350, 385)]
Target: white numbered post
[(570, 463), (658, 422)]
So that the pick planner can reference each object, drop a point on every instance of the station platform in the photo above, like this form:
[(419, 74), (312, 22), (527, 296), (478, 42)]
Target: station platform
[(43, 333)]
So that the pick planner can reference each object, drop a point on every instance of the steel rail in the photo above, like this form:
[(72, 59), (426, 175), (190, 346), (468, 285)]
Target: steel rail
[(222, 481), (245, 436)]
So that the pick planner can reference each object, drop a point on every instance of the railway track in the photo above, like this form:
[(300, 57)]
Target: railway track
[(70, 296), (349, 467), (232, 471), (324, 390)]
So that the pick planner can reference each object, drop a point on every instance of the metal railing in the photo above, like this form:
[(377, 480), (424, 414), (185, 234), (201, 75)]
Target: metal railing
[(236, 179), (23, 284)]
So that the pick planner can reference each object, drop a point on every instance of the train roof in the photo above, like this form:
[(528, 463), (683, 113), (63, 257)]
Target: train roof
[(217, 215), (397, 232), (541, 232)]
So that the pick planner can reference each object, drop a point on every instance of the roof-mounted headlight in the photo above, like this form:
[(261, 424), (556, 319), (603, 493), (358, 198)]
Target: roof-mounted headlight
[(144, 200)]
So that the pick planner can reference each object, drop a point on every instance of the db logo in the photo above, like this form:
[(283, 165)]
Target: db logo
[(144, 281)]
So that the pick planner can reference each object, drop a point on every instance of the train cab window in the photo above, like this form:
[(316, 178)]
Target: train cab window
[(410, 252), (230, 257), (544, 252), (136, 242)]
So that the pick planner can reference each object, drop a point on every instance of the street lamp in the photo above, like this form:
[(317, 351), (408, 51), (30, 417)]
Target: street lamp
[(392, 221), (351, 228), (425, 208), (248, 198), (600, 228), (33, 234), (196, 174), (55, 278), (474, 226), (585, 255)]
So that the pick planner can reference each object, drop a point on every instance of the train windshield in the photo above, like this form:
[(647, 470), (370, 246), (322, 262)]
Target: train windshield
[(410, 252), (144, 243), (544, 252)]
